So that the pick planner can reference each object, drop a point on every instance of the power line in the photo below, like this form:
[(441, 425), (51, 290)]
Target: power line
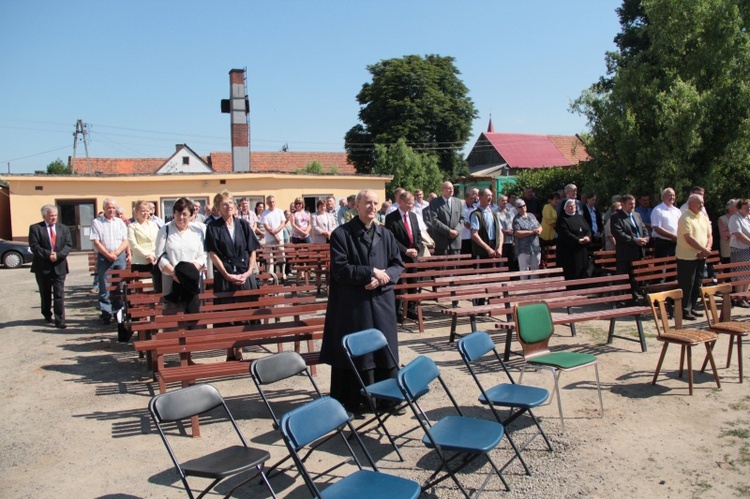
[(36, 154)]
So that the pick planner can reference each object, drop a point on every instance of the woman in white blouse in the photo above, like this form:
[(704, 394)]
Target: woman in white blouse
[(142, 238), (739, 244), (323, 224), (180, 241)]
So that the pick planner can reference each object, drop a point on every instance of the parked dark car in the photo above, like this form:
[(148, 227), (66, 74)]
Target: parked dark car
[(14, 254)]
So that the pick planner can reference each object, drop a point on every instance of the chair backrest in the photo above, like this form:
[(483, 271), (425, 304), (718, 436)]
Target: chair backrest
[(313, 420), (417, 375), (475, 345), (364, 342), (709, 302), (277, 367), (534, 327), (185, 403), (658, 303)]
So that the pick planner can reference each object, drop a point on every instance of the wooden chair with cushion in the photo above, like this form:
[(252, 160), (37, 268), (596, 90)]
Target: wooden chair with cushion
[(686, 338), (722, 323)]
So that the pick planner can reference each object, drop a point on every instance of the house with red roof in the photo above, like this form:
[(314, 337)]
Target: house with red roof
[(506, 154)]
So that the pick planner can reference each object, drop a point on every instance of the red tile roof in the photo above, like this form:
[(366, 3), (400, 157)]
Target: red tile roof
[(221, 162), (526, 151), (571, 147)]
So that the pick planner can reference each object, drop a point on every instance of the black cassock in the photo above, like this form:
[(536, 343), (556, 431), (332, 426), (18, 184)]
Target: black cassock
[(355, 252)]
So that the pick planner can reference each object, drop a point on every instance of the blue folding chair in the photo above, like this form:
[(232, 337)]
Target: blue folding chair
[(468, 438), (386, 391), (520, 399), (193, 401), (326, 416)]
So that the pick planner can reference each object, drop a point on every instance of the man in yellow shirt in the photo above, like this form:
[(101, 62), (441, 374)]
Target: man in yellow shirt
[(694, 242)]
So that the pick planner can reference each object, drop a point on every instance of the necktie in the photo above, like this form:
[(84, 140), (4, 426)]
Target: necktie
[(635, 226), (52, 236), (408, 230)]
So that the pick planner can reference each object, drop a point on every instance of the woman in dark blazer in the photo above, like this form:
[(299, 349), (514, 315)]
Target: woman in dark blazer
[(573, 238), (231, 244)]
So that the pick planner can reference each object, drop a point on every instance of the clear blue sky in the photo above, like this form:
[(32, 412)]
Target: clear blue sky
[(147, 75)]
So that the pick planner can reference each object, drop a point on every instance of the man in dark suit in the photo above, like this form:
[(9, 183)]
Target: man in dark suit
[(631, 236), (593, 217), (445, 221), (404, 225), (50, 242)]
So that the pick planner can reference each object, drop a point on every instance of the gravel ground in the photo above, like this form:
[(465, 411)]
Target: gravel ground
[(75, 422)]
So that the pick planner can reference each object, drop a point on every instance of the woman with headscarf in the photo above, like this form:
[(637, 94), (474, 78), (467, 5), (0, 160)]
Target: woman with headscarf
[(182, 256), (573, 238)]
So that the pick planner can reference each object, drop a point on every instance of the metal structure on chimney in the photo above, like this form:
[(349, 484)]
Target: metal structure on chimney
[(82, 130), (238, 108)]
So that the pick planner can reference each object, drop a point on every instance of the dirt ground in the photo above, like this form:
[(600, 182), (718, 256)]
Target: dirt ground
[(74, 420)]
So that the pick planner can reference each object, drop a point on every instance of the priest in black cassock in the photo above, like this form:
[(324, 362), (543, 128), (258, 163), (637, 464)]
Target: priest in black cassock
[(365, 266)]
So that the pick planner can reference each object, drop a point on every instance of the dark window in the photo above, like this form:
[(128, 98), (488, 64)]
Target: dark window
[(186, 160)]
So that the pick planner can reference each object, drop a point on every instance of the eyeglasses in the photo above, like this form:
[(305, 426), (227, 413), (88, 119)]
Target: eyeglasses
[(521, 206), (298, 204)]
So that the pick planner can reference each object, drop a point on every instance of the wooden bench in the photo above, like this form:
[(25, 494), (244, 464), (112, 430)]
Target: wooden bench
[(613, 291), (734, 274), (660, 274), (464, 287)]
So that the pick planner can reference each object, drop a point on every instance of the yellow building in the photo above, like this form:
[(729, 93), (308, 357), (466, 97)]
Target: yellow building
[(80, 197)]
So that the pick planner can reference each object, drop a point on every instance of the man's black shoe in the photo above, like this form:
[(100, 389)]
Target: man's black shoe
[(689, 317), (412, 314), (697, 313), (60, 325), (49, 320)]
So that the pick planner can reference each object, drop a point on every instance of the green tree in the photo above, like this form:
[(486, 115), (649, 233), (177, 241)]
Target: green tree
[(411, 170), (316, 168), (674, 109), (547, 180), (57, 167), (419, 99)]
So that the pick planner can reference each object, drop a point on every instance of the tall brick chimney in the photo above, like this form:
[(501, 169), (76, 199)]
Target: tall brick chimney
[(238, 111)]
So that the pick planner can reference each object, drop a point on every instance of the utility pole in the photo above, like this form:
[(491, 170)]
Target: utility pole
[(82, 130)]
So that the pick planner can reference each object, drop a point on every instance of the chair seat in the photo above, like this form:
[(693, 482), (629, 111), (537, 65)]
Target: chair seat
[(366, 484), (457, 433), (688, 336), (388, 390), (563, 360), (225, 462), (511, 395), (731, 327)]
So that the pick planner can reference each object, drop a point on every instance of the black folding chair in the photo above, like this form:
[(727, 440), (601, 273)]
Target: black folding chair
[(193, 401), (272, 369)]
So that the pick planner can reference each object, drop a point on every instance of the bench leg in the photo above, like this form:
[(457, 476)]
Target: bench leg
[(611, 334), (454, 323), (473, 322), (572, 326), (508, 341), (641, 335), (420, 317)]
